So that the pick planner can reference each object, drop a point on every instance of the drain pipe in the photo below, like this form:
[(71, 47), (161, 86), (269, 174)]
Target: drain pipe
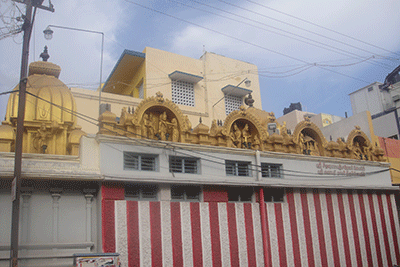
[(264, 229)]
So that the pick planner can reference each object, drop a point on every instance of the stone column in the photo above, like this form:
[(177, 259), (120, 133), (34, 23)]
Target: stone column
[(26, 196), (89, 198), (55, 194)]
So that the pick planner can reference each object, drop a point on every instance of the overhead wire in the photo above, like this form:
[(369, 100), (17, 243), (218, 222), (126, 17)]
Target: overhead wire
[(174, 147), (324, 45), (295, 26), (322, 27), (244, 41)]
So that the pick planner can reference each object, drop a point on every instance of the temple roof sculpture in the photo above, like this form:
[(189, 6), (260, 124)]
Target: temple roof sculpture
[(50, 119), (247, 128)]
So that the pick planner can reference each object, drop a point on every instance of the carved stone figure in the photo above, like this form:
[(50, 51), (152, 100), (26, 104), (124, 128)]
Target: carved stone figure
[(246, 136), (152, 123), (163, 126), (256, 143), (146, 124), (175, 130), (236, 136), (40, 141), (302, 143), (357, 152)]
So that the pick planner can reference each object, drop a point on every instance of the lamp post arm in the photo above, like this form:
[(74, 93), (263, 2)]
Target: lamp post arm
[(102, 50), (74, 29)]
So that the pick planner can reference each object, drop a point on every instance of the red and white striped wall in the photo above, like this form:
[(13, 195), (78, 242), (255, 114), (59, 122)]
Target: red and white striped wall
[(312, 228)]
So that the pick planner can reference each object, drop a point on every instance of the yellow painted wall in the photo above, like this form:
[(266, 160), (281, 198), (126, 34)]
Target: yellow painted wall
[(138, 78), (218, 71)]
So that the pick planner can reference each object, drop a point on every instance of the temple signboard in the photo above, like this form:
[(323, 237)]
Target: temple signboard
[(340, 169)]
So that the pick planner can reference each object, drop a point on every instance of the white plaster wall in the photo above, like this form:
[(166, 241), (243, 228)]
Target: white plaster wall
[(385, 125), (49, 233), (362, 100), (293, 118), (343, 127), (302, 170)]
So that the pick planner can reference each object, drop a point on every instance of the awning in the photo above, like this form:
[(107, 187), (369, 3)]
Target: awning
[(235, 90), (185, 77)]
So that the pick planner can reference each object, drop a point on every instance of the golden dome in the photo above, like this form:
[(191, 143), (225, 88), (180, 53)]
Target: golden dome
[(53, 101), (44, 67)]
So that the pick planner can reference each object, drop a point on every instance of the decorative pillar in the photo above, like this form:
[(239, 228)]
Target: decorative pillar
[(55, 194), (25, 216), (89, 198)]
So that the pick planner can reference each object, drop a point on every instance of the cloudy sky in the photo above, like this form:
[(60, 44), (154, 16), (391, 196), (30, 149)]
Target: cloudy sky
[(308, 51)]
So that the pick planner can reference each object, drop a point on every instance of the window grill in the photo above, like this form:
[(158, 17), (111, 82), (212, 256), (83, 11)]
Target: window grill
[(274, 194), (133, 161), (271, 170), (183, 165), (182, 93), (141, 192), (232, 103), (185, 192), (237, 168), (240, 194)]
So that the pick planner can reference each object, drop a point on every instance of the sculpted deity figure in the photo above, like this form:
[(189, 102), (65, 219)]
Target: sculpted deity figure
[(246, 136), (163, 126), (41, 138), (256, 142), (314, 148), (283, 129), (146, 124), (367, 153), (236, 136), (302, 144), (152, 123), (357, 151), (175, 130)]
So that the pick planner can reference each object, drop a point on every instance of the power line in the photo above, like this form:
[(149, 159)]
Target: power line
[(174, 147), (324, 46), (297, 27), (244, 41), (322, 27)]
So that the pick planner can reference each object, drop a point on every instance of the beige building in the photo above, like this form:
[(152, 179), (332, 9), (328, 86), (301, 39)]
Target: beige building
[(210, 87)]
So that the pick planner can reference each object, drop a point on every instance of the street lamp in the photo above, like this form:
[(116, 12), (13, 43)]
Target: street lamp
[(48, 35)]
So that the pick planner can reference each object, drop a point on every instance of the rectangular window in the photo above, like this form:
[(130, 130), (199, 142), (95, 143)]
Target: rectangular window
[(271, 170), (237, 168), (146, 192), (185, 192), (232, 103), (182, 93), (274, 194), (183, 165), (139, 162), (240, 194)]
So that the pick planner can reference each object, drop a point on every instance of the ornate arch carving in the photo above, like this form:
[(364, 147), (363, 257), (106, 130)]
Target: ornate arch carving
[(359, 144), (315, 137), (243, 129), (165, 110), (245, 115), (357, 133)]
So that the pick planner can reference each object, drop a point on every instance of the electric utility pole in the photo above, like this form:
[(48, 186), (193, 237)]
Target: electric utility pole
[(16, 184)]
